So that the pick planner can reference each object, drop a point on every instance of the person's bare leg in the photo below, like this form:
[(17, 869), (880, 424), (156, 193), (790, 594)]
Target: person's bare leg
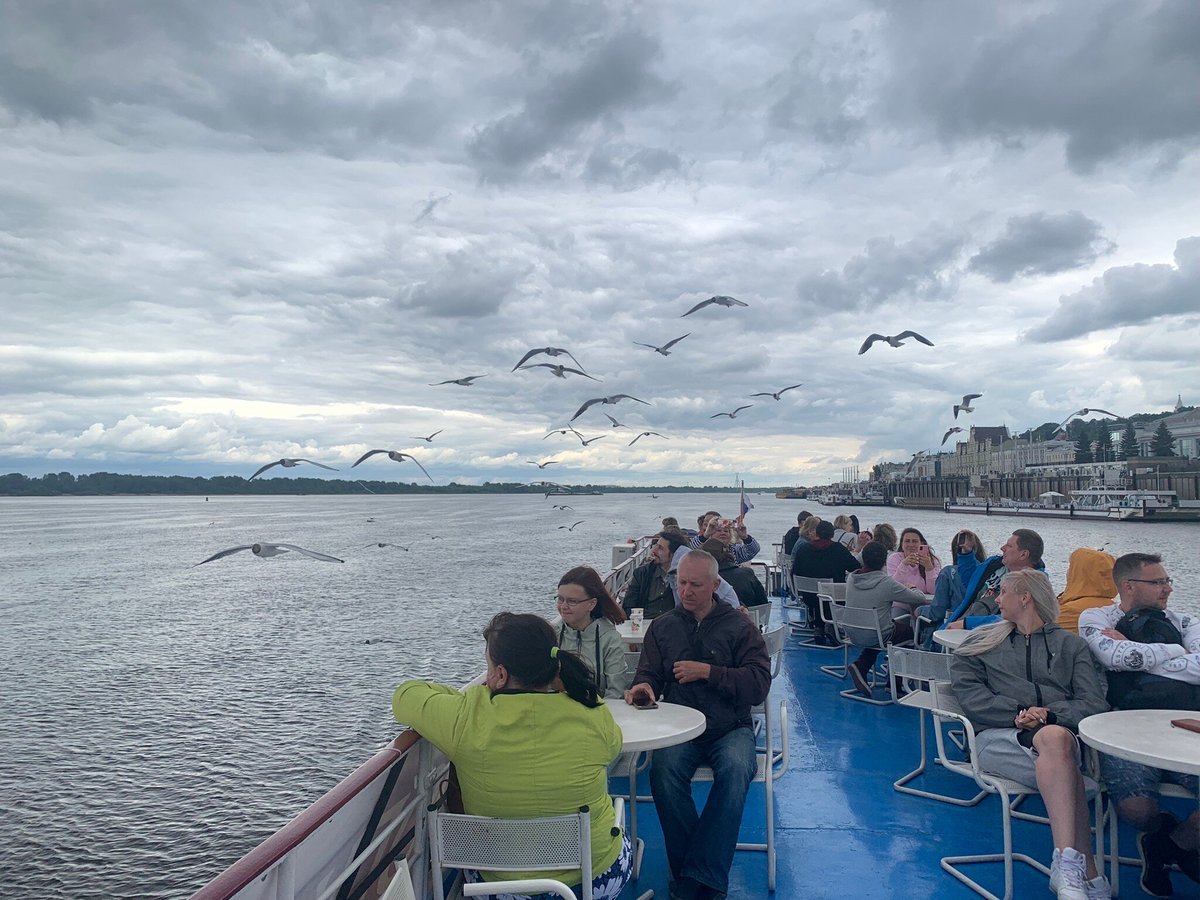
[(1061, 786)]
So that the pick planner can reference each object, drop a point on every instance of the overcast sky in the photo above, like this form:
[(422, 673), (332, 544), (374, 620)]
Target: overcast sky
[(236, 231)]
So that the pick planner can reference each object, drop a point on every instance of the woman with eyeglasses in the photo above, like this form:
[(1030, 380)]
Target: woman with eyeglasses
[(589, 612), (533, 740), (1025, 684)]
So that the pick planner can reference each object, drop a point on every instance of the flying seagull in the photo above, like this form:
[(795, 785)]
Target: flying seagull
[(382, 544), (429, 439), (966, 406), (589, 440), (560, 371), (567, 430), (615, 424), (289, 463), (542, 465), (549, 351), (609, 401), (465, 382), (563, 507), (1085, 411), (778, 394), (954, 430), (665, 349), (396, 456), (647, 434), (732, 415), (265, 550), (894, 340), (719, 301), (572, 527)]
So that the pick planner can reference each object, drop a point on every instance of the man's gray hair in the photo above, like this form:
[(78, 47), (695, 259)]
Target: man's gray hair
[(713, 567)]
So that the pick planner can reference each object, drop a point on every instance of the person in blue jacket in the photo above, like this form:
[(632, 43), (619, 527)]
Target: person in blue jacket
[(1022, 550), (968, 552)]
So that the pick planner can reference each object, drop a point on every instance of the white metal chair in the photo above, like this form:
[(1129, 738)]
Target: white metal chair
[(830, 596), (945, 708), (760, 615), (798, 584), (845, 619), (488, 844), (917, 669)]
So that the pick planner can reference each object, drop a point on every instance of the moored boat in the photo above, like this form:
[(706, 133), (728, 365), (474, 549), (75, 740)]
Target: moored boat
[(1109, 504)]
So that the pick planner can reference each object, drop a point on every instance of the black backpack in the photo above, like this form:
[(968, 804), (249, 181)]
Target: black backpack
[(1140, 690)]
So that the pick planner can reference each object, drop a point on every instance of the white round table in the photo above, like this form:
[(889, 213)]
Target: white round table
[(951, 637), (1145, 736), (646, 730)]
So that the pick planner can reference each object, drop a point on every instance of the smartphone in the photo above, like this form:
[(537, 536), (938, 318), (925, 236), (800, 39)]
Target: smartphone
[(643, 703), (924, 548), (1188, 724)]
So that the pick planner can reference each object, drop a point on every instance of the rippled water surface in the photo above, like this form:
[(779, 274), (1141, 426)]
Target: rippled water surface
[(157, 720)]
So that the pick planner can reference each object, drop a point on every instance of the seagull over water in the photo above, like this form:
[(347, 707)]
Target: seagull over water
[(559, 371), (779, 393), (648, 434), (430, 438), (290, 463), (665, 349), (719, 301), (542, 465), (572, 527), (563, 507), (894, 340), (965, 406), (264, 550), (609, 401), (395, 456), (954, 430), (732, 415), (465, 382), (549, 351)]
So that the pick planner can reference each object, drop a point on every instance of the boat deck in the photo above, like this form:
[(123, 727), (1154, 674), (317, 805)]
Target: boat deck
[(842, 831)]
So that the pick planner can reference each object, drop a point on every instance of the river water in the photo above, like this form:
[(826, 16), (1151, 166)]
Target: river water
[(158, 720)]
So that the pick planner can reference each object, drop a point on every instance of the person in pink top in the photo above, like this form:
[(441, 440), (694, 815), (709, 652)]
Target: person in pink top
[(913, 565)]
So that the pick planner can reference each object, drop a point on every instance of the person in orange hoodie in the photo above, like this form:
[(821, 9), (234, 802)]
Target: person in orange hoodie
[(1089, 584)]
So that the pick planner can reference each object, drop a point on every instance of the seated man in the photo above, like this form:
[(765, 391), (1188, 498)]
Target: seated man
[(823, 559), (1152, 657), (649, 588), (706, 656), (742, 579), (793, 534), (1022, 550), (724, 530), (724, 590)]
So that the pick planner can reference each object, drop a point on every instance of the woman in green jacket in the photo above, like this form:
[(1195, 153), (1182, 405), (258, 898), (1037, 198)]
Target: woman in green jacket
[(534, 739)]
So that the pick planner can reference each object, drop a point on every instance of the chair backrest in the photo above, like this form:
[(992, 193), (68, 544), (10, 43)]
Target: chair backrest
[(804, 585), (485, 844), (834, 590), (760, 615), (919, 665), (774, 640), (847, 617)]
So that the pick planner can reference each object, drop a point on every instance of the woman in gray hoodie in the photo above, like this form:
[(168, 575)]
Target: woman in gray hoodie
[(1025, 684)]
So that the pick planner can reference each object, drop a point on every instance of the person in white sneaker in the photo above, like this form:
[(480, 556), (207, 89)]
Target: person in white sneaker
[(1026, 684)]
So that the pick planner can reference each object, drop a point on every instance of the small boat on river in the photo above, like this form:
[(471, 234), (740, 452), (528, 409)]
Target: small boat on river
[(1106, 503)]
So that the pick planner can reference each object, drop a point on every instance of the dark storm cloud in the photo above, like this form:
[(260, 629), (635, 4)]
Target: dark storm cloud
[(629, 168), (613, 76), (1108, 77), (816, 97), (465, 286), (1128, 295), (1042, 244), (920, 269)]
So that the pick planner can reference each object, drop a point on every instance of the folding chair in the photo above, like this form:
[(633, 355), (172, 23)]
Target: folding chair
[(946, 708), (798, 584), (845, 619), (830, 596), (917, 669), (760, 615)]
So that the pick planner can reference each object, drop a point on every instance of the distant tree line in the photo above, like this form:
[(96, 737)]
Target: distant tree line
[(107, 483)]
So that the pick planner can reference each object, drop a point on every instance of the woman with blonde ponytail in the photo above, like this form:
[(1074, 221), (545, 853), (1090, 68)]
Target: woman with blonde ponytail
[(1026, 683)]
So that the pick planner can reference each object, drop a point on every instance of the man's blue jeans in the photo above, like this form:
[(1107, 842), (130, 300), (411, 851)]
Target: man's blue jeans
[(701, 846)]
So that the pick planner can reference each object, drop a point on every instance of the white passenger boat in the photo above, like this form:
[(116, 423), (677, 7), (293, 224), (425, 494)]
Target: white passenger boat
[(1114, 504)]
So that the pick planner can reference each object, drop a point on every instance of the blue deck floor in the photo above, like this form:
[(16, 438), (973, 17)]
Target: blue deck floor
[(842, 831)]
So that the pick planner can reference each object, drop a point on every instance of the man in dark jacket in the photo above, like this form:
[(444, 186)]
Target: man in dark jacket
[(649, 590), (749, 590), (793, 534), (706, 655), (824, 559)]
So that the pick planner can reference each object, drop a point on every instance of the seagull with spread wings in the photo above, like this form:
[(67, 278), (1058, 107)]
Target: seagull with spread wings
[(608, 401), (290, 463), (954, 430), (732, 415), (966, 406), (711, 301), (549, 351), (395, 456), (1085, 411), (542, 465), (263, 550), (648, 434), (465, 382), (665, 349), (572, 527), (559, 371), (567, 430), (777, 394), (429, 439), (590, 440), (615, 423), (894, 340)]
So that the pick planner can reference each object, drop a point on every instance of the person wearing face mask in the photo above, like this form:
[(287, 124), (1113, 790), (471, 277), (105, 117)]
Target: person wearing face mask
[(588, 613), (649, 588)]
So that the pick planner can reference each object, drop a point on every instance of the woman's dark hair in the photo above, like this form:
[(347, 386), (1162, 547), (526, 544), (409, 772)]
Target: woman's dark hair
[(589, 579), (854, 522), (675, 539), (921, 538), (874, 556), (524, 644), (980, 553), (717, 551), (670, 522), (886, 535)]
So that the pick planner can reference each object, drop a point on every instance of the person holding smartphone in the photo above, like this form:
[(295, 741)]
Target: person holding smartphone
[(913, 565)]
